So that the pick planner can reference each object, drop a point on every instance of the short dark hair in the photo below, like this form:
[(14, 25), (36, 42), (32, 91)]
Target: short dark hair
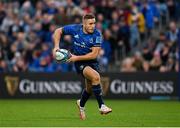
[(88, 16)]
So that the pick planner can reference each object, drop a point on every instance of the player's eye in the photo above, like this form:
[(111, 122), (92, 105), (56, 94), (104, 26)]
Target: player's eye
[(92, 23)]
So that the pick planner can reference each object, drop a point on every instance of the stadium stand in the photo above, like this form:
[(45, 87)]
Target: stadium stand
[(138, 35)]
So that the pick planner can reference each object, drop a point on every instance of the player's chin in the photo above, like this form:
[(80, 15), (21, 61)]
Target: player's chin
[(90, 31)]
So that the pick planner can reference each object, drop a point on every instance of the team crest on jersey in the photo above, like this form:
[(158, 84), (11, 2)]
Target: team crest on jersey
[(91, 40), (98, 40)]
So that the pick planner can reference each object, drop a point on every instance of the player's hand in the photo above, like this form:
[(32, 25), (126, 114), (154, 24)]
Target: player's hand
[(73, 58), (54, 51)]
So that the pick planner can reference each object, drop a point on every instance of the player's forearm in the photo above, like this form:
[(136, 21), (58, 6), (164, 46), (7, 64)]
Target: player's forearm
[(57, 36), (89, 56)]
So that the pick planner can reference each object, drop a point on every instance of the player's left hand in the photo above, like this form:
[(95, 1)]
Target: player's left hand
[(73, 58)]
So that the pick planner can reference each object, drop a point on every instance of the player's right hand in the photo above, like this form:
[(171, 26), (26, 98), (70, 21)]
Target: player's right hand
[(54, 51), (73, 58)]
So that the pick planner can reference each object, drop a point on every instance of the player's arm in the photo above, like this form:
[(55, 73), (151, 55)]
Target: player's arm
[(90, 56), (56, 38), (65, 30)]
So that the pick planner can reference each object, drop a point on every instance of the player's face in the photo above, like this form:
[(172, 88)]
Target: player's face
[(89, 25)]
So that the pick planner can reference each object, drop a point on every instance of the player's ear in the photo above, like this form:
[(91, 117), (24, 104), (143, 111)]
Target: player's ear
[(83, 21)]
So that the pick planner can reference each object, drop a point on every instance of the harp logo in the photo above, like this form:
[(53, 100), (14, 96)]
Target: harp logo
[(11, 84)]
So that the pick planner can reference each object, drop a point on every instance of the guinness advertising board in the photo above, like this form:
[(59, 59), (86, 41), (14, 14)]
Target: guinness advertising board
[(40, 85), (144, 85), (69, 85)]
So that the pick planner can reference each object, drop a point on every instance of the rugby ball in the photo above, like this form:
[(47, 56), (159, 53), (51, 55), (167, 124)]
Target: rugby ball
[(62, 55)]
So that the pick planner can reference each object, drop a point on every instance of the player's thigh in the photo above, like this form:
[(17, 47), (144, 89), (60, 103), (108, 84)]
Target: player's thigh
[(91, 74), (88, 84)]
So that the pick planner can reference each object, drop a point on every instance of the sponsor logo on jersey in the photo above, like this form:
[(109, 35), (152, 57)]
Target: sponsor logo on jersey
[(76, 36)]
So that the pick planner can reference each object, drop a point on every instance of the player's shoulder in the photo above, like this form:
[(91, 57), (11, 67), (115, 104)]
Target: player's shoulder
[(98, 37), (97, 32)]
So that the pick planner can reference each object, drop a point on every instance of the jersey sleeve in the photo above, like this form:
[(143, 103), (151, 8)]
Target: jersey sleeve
[(98, 40), (68, 29)]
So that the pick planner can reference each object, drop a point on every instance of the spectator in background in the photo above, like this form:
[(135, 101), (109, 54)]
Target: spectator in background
[(141, 25), (138, 61), (39, 10), (149, 17), (114, 17), (106, 45), (127, 65), (2, 12), (27, 8), (72, 9), (137, 18), (133, 23), (170, 65), (163, 12), (3, 66), (172, 34), (60, 18), (49, 33), (164, 54), (7, 21), (156, 62), (155, 10), (103, 61), (177, 66), (114, 35), (123, 35), (161, 42), (18, 63), (171, 4), (100, 19), (105, 53), (146, 66), (177, 11), (146, 53), (4, 45), (21, 41)]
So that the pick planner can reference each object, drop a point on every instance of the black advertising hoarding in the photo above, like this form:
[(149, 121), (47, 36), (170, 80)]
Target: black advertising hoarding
[(40, 85), (69, 85), (142, 85)]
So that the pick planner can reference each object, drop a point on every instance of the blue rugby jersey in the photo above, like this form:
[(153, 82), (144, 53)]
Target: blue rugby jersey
[(82, 42)]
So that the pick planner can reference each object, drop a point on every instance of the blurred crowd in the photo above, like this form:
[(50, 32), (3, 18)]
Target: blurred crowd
[(137, 35)]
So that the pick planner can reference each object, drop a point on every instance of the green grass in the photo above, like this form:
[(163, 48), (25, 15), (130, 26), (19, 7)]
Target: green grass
[(64, 113)]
